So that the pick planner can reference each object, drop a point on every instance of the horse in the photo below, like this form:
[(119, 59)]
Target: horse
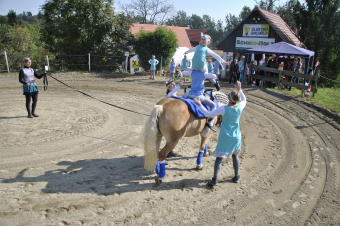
[(170, 118)]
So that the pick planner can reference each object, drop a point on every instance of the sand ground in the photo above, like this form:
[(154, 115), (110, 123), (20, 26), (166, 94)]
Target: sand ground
[(81, 161)]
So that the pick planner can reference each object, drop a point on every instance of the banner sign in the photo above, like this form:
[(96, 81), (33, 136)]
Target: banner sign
[(255, 30), (249, 43), (135, 64)]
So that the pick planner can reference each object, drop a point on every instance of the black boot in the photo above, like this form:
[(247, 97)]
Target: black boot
[(212, 183), (29, 116), (235, 179), (210, 124), (217, 86), (211, 127), (35, 115)]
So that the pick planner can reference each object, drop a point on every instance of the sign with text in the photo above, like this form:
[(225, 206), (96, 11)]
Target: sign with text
[(255, 30), (248, 43)]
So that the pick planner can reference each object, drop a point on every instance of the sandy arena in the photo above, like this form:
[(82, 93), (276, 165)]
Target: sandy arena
[(81, 161)]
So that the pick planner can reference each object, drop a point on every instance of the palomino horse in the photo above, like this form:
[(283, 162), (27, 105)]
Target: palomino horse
[(172, 119)]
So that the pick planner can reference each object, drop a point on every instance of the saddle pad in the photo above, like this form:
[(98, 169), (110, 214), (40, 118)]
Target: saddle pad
[(193, 108)]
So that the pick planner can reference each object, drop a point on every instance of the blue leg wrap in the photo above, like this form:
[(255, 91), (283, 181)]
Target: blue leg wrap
[(206, 149), (161, 170), (199, 158), (157, 168)]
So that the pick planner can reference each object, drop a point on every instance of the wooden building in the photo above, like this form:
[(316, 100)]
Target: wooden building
[(260, 28)]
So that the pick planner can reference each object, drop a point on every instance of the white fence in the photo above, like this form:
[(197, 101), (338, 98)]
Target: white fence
[(4, 62), (84, 62)]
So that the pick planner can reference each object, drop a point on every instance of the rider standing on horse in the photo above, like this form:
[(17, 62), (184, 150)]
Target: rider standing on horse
[(197, 75)]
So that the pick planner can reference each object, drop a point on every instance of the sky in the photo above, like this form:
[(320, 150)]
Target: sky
[(217, 9)]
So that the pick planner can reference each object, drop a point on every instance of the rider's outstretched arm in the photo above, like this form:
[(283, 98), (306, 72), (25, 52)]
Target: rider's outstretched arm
[(217, 57), (190, 50), (243, 99), (173, 92), (213, 113)]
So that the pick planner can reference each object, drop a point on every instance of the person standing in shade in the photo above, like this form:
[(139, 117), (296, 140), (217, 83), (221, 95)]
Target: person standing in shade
[(210, 66), (30, 89), (185, 63), (241, 68), (229, 140), (216, 68), (172, 69), (153, 63)]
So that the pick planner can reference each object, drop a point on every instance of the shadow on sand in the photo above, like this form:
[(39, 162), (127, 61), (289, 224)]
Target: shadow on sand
[(102, 177), (11, 117)]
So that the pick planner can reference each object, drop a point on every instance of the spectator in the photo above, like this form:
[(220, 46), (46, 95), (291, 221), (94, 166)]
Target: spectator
[(241, 68), (216, 68), (172, 68), (210, 66), (185, 63), (153, 63)]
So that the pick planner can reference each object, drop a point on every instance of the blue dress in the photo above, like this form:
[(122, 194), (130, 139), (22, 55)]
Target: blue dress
[(229, 140)]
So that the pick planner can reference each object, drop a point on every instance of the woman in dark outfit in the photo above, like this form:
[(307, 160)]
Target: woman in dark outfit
[(26, 77)]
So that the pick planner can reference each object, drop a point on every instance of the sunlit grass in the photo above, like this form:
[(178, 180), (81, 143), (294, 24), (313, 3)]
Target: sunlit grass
[(325, 97)]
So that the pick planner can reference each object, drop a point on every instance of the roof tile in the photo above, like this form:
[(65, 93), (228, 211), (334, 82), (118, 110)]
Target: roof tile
[(281, 27), (181, 34)]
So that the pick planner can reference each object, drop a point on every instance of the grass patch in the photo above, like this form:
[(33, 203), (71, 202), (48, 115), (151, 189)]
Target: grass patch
[(325, 97)]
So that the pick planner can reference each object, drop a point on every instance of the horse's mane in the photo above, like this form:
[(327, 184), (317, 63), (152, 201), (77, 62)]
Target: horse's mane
[(221, 98)]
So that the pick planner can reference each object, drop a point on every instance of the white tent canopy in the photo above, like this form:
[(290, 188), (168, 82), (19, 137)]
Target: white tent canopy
[(179, 54)]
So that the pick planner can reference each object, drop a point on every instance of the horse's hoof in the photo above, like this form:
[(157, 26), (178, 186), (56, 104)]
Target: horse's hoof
[(199, 167), (158, 181), (206, 154)]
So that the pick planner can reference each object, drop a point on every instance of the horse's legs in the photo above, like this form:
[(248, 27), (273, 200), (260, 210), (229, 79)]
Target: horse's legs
[(160, 168), (169, 146), (203, 149), (206, 153)]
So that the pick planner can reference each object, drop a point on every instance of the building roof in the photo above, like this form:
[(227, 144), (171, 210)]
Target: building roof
[(181, 33), (280, 27), (194, 34)]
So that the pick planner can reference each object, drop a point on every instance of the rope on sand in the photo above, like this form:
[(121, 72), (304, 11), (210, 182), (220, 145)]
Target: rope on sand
[(88, 95)]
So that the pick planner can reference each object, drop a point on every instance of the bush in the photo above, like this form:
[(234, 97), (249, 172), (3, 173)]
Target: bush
[(161, 42), (20, 42)]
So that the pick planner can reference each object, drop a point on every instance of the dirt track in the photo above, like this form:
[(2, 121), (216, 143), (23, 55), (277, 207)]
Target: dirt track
[(81, 162)]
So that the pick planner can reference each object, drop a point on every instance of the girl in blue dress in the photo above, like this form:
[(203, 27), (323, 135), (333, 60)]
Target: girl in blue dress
[(229, 140)]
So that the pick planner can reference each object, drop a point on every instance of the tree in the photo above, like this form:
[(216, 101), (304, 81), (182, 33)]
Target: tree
[(12, 18), (231, 22), (267, 4), (245, 12), (3, 20), (81, 26), (180, 19), (220, 33), (318, 23), (148, 11), (287, 12), (161, 43), (196, 22), (20, 42)]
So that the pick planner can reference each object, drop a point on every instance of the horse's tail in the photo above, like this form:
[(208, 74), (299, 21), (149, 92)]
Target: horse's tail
[(152, 138)]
